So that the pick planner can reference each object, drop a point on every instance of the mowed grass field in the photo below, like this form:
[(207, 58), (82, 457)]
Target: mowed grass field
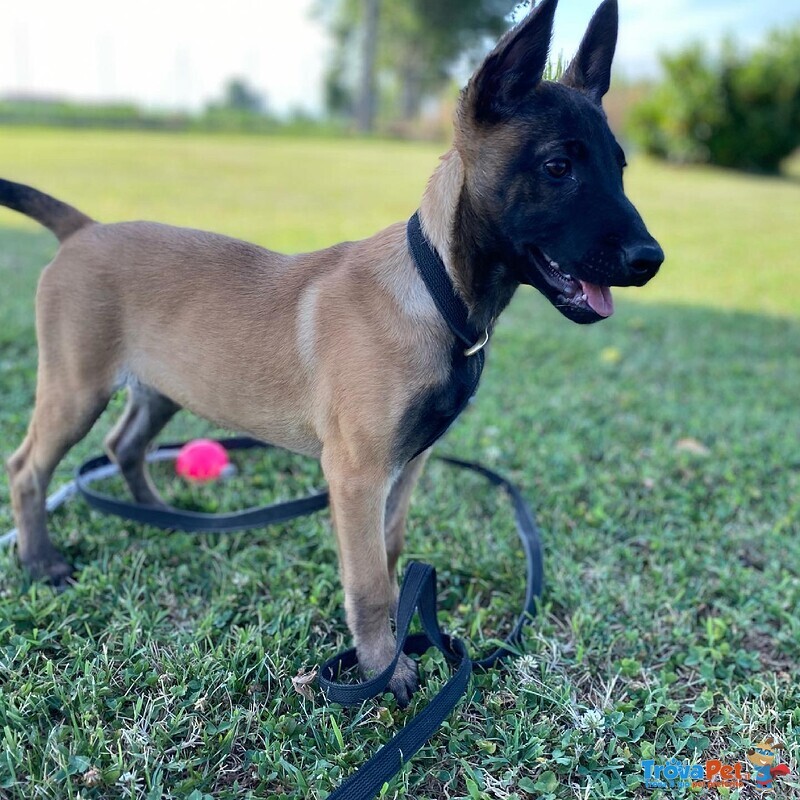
[(659, 450)]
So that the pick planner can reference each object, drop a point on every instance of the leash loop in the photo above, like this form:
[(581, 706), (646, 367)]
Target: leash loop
[(191, 521), (418, 592), (417, 595)]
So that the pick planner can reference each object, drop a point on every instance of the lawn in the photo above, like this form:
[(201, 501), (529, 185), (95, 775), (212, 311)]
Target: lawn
[(659, 449)]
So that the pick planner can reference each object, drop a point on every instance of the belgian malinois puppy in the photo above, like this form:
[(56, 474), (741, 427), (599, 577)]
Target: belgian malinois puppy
[(340, 354)]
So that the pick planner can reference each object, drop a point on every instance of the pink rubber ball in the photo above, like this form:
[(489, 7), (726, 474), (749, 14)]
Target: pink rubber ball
[(201, 460)]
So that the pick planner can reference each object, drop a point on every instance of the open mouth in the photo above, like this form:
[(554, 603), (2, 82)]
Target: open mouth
[(577, 299)]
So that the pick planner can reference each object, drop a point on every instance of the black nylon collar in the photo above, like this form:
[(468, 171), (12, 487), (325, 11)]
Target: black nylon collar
[(434, 274)]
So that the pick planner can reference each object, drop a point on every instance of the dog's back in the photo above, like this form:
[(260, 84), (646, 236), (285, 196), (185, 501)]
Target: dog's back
[(239, 334)]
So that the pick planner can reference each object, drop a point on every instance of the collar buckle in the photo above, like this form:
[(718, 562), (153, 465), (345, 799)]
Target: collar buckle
[(479, 345)]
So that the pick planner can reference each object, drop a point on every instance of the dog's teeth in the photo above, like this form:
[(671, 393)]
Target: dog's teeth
[(583, 297)]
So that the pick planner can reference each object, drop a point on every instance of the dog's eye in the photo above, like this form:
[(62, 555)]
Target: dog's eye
[(558, 167)]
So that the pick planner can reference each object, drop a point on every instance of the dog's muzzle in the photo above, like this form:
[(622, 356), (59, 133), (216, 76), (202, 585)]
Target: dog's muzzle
[(582, 292)]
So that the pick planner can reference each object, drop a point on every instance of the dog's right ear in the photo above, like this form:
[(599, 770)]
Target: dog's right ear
[(590, 70), (513, 70)]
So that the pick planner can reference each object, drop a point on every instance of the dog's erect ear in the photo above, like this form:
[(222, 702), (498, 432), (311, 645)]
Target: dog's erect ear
[(590, 70), (514, 68)]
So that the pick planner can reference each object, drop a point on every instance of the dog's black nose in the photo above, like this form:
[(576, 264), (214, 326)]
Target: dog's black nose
[(644, 258)]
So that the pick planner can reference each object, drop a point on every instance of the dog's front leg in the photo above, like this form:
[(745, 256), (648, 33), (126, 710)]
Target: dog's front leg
[(358, 496), (396, 513)]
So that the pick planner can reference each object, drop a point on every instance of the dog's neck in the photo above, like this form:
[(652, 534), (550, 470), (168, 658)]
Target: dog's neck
[(448, 221), (437, 213)]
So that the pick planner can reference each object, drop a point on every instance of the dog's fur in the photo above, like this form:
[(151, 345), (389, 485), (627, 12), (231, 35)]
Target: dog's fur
[(332, 353)]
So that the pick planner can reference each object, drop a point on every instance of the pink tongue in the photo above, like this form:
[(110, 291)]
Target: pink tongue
[(599, 298)]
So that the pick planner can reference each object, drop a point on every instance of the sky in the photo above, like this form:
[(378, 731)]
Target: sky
[(179, 53)]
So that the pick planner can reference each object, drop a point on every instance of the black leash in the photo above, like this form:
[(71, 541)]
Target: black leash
[(192, 521), (418, 593)]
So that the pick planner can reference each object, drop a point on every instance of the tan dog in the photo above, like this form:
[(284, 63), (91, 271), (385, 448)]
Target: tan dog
[(339, 354)]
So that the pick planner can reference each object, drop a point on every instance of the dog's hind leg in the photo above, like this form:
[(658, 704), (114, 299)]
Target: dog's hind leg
[(146, 413), (62, 417), (78, 367), (397, 512)]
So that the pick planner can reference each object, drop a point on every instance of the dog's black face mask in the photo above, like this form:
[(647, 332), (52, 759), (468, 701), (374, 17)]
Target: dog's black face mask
[(544, 181)]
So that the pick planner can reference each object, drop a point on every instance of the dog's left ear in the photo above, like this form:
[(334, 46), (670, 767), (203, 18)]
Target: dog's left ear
[(590, 70)]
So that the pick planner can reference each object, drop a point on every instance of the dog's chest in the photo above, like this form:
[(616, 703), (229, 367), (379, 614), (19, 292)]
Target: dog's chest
[(433, 410)]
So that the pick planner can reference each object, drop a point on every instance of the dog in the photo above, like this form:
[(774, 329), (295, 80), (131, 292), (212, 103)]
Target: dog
[(341, 354)]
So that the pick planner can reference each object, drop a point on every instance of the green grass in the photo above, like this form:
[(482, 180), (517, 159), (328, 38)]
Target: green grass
[(660, 450)]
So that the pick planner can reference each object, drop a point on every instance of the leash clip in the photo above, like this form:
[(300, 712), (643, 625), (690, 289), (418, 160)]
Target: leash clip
[(479, 345)]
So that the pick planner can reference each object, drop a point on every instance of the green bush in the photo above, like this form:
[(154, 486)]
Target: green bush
[(735, 109)]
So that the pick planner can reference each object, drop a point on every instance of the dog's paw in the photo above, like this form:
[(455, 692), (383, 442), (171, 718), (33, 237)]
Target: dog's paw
[(405, 680), (55, 571)]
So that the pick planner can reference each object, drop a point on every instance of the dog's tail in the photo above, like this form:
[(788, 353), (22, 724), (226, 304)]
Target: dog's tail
[(62, 219)]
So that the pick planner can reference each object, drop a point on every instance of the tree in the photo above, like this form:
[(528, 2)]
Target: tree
[(434, 36), (341, 76), (239, 96), (367, 102), (413, 52), (738, 109)]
